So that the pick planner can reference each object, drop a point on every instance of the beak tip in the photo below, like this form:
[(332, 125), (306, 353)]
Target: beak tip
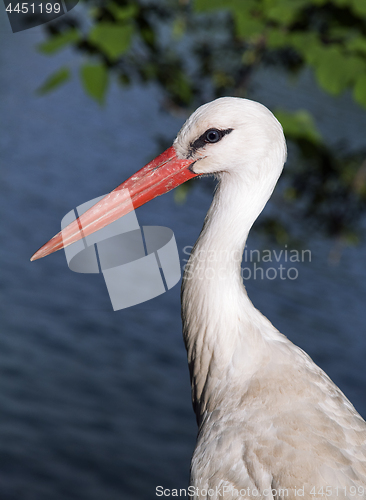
[(35, 256), (43, 252)]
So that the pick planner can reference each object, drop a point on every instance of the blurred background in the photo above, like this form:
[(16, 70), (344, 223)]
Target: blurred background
[(95, 404)]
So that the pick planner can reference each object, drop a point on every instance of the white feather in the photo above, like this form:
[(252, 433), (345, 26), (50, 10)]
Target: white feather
[(269, 418)]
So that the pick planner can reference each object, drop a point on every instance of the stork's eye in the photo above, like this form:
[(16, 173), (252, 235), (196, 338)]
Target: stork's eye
[(213, 135)]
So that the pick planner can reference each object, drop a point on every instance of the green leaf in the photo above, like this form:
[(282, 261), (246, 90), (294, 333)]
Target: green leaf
[(179, 86), (298, 125), (205, 5), (58, 42), (357, 44), (112, 39), (351, 237), (94, 78), (122, 13), (55, 80), (306, 44), (236, 6), (247, 25), (359, 7), (335, 70), (359, 91), (277, 38), (284, 12), (341, 32), (179, 27), (180, 194)]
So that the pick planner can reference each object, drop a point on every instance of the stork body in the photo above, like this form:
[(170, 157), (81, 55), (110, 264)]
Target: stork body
[(269, 418), (272, 425)]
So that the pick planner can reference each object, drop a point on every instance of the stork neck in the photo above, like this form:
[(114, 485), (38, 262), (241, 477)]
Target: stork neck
[(220, 324)]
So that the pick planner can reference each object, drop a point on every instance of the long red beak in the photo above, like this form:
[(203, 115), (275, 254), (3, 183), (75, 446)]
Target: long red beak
[(157, 177)]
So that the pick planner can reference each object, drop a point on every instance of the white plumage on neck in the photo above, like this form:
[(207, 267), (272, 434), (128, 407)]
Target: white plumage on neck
[(268, 416), (222, 329)]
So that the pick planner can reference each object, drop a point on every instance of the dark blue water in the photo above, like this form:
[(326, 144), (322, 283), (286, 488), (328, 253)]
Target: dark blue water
[(95, 404)]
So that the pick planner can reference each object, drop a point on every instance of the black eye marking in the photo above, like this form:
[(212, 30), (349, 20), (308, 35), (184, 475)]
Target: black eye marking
[(211, 136)]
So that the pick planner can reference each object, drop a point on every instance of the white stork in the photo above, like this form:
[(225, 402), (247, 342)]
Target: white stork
[(271, 423)]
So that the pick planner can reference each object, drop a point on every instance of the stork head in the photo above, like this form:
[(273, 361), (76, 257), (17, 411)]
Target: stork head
[(229, 136), (232, 135)]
